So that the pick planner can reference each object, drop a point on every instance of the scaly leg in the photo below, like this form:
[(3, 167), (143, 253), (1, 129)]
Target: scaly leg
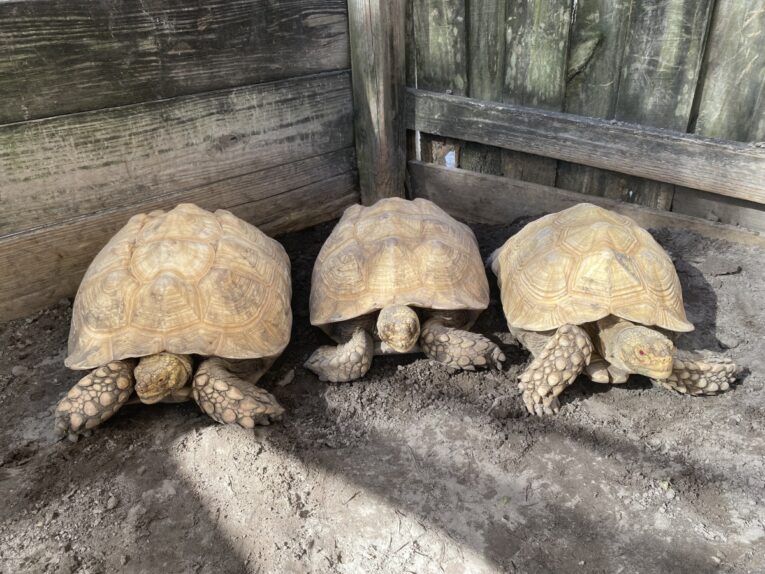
[(696, 374), (565, 355), (94, 399), (227, 398), (458, 349), (345, 362)]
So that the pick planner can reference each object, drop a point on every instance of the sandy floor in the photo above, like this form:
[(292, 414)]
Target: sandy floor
[(411, 469)]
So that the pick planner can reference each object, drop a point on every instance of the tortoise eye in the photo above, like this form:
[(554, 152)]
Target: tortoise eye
[(641, 352)]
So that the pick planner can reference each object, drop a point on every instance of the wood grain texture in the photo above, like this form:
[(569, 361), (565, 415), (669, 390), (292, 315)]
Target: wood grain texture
[(716, 208), (636, 62), (56, 169), (598, 35), (659, 73), (377, 31), (43, 265), (440, 54), (58, 57), (486, 73), (484, 198), (731, 102), (731, 99), (537, 46), (728, 168)]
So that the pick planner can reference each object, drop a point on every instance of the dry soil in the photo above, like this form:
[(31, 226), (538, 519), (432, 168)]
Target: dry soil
[(412, 469)]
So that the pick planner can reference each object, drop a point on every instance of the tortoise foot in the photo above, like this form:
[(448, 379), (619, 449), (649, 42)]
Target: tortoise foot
[(458, 349), (697, 374), (94, 399), (228, 399), (565, 355), (345, 362)]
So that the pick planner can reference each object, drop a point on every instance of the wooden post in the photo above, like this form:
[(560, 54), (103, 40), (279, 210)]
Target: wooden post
[(378, 61)]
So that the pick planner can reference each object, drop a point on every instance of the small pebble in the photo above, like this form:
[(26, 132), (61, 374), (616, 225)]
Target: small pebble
[(112, 502), (19, 371), (288, 377)]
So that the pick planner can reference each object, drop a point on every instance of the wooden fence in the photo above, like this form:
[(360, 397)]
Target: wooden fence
[(108, 109), (510, 86)]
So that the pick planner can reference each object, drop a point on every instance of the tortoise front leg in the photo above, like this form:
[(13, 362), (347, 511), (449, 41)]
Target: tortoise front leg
[(560, 362), (457, 348), (345, 362), (227, 398), (697, 374), (94, 399)]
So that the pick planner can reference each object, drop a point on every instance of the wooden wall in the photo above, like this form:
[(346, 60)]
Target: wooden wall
[(108, 109), (689, 66)]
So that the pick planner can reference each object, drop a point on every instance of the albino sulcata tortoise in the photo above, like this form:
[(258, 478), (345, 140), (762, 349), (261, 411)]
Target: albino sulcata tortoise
[(171, 290), (587, 290), (398, 277)]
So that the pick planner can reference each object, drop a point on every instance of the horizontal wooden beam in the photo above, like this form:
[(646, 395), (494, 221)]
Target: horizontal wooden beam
[(733, 169), (43, 265), (482, 198), (64, 56), (56, 169)]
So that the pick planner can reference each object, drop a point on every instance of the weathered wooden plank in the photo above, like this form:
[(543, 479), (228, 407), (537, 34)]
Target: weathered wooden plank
[(440, 52), (484, 198), (486, 74), (660, 71), (59, 56), (650, 82), (716, 208), (55, 169), (537, 44), (377, 30), (43, 265), (728, 168), (598, 33), (730, 100)]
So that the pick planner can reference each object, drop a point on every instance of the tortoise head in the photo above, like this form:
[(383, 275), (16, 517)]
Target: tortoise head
[(643, 351), (157, 376), (398, 327)]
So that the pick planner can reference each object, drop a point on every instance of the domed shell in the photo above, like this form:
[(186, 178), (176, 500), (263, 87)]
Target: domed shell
[(397, 252), (184, 281), (582, 264)]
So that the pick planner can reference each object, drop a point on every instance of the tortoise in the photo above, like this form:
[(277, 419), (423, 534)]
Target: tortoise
[(399, 276), (588, 290), (169, 291)]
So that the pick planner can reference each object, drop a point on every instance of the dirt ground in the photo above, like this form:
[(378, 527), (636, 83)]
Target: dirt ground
[(411, 469)]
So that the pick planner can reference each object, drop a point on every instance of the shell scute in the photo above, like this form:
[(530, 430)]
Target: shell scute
[(396, 252), (185, 281), (582, 264)]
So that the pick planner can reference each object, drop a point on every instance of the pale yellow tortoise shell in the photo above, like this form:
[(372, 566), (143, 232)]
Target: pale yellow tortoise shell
[(397, 252), (185, 281), (583, 264)]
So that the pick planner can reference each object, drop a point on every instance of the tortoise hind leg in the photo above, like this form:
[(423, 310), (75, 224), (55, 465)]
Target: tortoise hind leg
[(697, 374), (227, 398), (345, 362), (565, 355), (94, 399)]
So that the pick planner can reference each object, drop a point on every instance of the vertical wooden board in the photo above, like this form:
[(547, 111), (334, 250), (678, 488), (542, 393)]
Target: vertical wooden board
[(486, 67), (653, 84), (377, 32), (660, 70), (537, 35), (59, 57), (731, 97), (592, 78), (730, 103), (440, 51)]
